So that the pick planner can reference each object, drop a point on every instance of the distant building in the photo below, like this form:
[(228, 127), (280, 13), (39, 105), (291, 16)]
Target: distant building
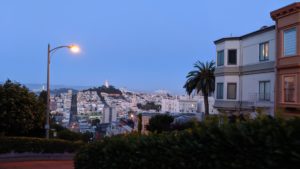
[(169, 105), (109, 115), (106, 84), (145, 121), (188, 106)]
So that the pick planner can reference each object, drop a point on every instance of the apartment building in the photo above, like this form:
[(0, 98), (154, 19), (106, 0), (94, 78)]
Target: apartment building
[(245, 72), (170, 105), (287, 88), (261, 69)]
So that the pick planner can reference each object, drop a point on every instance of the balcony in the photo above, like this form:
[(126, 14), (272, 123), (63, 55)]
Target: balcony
[(253, 100), (260, 99)]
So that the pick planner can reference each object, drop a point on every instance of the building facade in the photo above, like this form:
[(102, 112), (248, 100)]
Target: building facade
[(261, 69), (245, 72), (169, 105), (288, 59)]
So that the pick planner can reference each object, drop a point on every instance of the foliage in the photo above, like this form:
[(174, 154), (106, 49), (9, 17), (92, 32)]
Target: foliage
[(66, 134), (160, 123), (21, 112), (39, 120), (201, 80), (37, 145), (95, 122), (149, 106), (104, 89), (140, 123), (192, 124), (261, 144)]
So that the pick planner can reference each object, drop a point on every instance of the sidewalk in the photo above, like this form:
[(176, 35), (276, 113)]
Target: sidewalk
[(68, 164)]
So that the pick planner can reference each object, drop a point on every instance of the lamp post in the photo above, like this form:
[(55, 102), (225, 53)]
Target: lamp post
[(74, 49)]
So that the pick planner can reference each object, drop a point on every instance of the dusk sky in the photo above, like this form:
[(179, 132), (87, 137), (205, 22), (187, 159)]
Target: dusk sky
[(143, 45)]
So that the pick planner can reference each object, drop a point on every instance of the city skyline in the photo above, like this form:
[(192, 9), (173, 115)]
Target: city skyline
[(133, 44)]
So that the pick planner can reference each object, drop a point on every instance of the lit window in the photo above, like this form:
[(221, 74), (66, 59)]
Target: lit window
[(289, 88), (220, 58), (289, 42), (264, 51)]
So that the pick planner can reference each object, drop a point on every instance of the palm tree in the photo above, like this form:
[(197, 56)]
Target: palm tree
[(201, 80)]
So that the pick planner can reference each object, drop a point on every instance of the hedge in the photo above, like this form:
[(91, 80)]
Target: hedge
[(37, 145), (259, 144)]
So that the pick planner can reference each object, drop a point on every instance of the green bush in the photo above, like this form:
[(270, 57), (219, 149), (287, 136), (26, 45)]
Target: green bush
[(260, 144), (160, 123), (37, 145)]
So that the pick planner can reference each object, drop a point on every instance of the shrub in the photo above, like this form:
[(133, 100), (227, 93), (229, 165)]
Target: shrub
[(37, 145), (68, 135), (260, 144), (160, 123)]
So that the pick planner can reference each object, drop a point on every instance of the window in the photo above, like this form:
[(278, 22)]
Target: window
[(220, 58), (231, 91), (289, 88), (232, 57), (264, 51), (220, 87), (289, 42), (264, 90)]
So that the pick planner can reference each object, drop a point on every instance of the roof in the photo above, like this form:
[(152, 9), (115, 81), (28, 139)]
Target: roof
[(285, 11), (262, 30)]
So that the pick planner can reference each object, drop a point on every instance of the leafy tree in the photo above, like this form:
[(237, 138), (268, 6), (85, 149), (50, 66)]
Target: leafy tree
[(201, 80), (192, 124), (95, 122), (149, 106), (19, 114), (160, 123), (40, 117), (68, 135), (140, 123)]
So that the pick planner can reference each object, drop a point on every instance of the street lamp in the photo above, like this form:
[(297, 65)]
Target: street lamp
[(74, 49)]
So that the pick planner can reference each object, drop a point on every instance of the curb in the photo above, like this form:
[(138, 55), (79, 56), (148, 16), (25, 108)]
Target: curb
[(36, 156)]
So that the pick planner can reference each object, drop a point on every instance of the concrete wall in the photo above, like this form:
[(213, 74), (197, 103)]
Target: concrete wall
[(227, 45), (250, 47), (250, 85), (225, 80)]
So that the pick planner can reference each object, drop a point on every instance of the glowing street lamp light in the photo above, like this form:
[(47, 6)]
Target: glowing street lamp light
[(74, 49)]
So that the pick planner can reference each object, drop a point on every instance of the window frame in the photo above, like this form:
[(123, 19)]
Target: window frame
[(283, 88), (236, 57), (235, 97), (259, 94), (264, 58), (217, 96), (283, 44), (218, 65)]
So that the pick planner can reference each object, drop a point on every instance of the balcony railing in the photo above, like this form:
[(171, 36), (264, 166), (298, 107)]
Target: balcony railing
[(259, 97)]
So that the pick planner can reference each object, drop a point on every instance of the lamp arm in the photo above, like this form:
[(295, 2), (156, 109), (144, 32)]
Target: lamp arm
[(59, 48)]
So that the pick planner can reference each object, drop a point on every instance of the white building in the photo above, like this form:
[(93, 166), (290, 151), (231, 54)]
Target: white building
[(245, 72), (109, 115), (169, 105), (188, 106)]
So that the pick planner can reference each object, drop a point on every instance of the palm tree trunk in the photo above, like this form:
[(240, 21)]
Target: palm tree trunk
[(206, 106)]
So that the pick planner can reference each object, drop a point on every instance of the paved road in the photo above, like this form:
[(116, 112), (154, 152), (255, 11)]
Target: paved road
[(37, 165)]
